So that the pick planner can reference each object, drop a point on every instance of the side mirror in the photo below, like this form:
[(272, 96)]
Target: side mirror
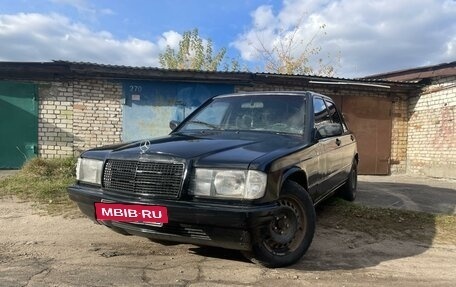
[(329, 130), (173, 124)]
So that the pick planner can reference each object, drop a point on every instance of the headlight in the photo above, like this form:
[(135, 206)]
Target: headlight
[(236, 184), (89, 170)]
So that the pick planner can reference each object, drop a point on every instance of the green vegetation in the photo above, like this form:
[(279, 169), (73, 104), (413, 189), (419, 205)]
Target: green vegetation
[(43, 181), (194, 53), (289, 53)]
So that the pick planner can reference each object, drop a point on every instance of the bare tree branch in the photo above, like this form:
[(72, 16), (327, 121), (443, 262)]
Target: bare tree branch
[(280, 57)]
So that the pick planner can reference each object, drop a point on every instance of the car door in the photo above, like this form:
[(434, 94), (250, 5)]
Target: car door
[(325, 145), (340, 153)]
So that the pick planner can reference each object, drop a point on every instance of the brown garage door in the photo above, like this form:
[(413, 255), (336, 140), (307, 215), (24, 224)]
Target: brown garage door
[(370, 120)]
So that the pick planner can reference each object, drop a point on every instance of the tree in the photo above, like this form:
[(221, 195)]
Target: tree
[(194, 53), (292, 54)]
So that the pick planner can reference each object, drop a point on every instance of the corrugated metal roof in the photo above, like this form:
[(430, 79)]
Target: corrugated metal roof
[(265, 74), (417, 74), (65, 69)]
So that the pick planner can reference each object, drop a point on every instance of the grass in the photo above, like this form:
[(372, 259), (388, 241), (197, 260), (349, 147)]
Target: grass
[(43, 181)]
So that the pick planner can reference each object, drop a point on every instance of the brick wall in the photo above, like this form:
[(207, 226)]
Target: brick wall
[(76, 115), (399, 134), (55, 119), (432, 134), (97, 114)]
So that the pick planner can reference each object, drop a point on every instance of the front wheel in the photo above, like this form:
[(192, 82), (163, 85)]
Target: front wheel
[(285, 239)]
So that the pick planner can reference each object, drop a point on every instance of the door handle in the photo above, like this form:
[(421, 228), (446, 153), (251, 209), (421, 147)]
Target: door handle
[(338, 142)]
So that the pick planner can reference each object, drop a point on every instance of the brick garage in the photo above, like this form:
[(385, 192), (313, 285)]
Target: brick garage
[(430, 143), (80, 105), (432, 134)]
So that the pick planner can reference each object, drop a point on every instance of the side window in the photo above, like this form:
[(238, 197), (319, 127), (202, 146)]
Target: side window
[(334, 114), (328, 123), (320, 112)]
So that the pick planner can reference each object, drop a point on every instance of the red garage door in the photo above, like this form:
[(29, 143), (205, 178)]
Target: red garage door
[(370, 120)]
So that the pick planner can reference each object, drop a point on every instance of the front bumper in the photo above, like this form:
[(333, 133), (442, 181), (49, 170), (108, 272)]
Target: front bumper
[(223, 225)]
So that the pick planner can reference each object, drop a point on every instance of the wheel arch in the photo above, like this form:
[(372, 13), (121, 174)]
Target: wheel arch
[(297, 175)]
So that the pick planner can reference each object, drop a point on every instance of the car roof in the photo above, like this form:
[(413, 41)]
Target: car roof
[(273, 93)]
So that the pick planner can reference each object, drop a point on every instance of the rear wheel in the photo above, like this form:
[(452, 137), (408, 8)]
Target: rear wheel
[(285, 239), (349, 189)]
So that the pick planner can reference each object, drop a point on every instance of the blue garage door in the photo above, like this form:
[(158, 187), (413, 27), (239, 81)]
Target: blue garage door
[(149, 106)]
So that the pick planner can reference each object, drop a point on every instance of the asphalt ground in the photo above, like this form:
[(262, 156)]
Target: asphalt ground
[(408, 192)]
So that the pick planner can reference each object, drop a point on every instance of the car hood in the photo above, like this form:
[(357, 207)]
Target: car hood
[(209, 149)]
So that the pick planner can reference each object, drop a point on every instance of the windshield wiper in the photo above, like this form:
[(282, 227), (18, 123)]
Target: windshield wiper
[(204, 124)]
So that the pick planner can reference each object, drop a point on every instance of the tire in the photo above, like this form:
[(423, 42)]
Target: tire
[(349, 189), (285, 239)]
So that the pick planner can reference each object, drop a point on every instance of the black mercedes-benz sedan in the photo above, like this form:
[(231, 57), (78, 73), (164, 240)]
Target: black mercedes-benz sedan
[(243, 171)]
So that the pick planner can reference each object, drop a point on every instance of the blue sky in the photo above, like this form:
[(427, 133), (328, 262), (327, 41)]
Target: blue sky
[(147, 19), (360, 37)]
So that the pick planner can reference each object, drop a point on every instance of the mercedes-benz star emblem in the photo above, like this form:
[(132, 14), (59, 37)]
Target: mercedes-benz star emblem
[(144, 146)]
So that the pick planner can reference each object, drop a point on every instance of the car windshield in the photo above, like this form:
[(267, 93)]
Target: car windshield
[(278, 114)]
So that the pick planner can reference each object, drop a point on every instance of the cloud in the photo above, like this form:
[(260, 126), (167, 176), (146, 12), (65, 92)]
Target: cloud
[(371, 36), (171, 39), (263, 17), (38, 37), (82, 6)]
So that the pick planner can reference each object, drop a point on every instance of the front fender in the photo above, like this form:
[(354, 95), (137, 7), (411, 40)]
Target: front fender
[(295, 174)]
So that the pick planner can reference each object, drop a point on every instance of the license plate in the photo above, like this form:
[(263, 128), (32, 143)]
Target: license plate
[(135, 213)]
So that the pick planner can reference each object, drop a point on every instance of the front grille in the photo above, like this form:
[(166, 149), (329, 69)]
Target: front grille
[(144, 177)]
